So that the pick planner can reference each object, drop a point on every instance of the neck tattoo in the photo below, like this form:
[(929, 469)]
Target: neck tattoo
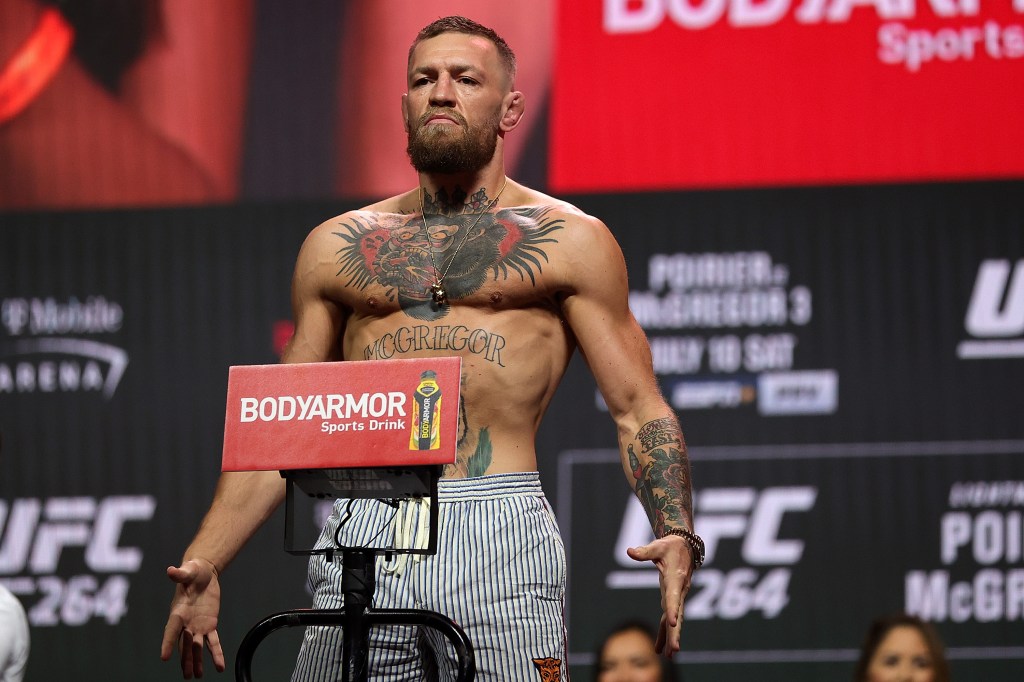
[(437, 291)]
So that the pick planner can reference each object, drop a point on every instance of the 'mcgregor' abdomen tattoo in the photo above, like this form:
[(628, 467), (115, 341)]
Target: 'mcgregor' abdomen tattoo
[(394, 251)]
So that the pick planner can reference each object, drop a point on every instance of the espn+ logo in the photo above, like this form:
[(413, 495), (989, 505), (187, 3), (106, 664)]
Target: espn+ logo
[(746, 519)]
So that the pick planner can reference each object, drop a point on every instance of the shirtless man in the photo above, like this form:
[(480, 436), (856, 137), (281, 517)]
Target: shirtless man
[(467, 255)]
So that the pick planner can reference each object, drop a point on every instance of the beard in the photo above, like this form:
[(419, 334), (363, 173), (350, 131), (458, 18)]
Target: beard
[(447, 149)]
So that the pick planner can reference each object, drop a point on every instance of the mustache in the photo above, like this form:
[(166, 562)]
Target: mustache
[(440, 111)]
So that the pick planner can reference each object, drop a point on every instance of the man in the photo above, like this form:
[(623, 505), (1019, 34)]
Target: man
[(468, 249)]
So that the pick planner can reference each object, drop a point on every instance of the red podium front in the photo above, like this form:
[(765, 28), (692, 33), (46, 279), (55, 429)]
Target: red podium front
[(357, 429), (378, 429), (325, 415)]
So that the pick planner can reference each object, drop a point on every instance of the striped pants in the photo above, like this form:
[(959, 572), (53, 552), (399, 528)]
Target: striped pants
[(499, 572)]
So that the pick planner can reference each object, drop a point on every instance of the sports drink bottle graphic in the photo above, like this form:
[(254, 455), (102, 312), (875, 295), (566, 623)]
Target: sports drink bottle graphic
[(426, 414)]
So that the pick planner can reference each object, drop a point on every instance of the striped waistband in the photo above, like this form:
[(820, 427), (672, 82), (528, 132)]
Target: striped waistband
[(491, 487)]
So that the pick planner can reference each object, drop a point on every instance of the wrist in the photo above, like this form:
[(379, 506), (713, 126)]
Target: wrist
[(202, 560), (695, 543)]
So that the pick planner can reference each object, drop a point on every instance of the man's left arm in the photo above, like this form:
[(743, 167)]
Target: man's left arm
[(650, 439)]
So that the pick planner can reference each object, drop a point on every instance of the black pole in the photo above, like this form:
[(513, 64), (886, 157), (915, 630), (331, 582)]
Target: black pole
[(357, 585)]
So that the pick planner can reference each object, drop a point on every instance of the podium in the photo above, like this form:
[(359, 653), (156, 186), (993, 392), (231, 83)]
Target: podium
[(360, 430)]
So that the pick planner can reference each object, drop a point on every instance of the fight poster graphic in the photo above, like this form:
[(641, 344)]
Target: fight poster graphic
[(724, 330)]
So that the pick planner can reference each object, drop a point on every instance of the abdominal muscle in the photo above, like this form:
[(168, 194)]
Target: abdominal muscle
[(511, 365)]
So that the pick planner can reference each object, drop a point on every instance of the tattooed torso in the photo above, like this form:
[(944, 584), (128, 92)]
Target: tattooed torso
[(504, 273)]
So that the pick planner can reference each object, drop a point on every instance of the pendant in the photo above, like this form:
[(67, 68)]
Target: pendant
[(438, 293)]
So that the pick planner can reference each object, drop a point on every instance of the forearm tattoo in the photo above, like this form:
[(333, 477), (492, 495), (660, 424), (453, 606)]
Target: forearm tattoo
[(661, 475)]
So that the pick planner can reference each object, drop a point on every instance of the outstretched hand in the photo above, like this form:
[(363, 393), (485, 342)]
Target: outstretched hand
[(192, 623), (671, 555)]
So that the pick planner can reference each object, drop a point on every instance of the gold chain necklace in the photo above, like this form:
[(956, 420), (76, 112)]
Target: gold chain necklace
[(437, 291)]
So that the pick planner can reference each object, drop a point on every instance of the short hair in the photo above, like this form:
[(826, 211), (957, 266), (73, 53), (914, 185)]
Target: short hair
[(459, 24), (881, 627)]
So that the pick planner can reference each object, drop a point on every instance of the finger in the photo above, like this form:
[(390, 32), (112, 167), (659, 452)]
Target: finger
[(181, 574), (172, 631), (213, 642), (197, 655), (659, 644), (673, 602), (639, 553), (673, 638), (186, 654)]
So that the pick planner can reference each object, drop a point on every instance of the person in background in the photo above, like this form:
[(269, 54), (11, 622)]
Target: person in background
[(14, 638), (628, 654), (902, 648), (14, 635)]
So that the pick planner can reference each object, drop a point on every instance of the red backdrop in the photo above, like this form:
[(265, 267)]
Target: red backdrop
[(660, 94)]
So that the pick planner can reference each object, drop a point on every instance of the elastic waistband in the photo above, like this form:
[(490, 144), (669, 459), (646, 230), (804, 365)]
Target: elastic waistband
[(492, 487)]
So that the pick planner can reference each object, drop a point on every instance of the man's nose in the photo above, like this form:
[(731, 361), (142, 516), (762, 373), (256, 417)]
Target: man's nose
[(443, 92)]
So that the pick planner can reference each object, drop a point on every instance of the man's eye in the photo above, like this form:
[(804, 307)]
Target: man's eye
[(467, 80)]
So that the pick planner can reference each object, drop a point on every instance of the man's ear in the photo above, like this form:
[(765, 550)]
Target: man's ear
[(514, 105), (405, 111)]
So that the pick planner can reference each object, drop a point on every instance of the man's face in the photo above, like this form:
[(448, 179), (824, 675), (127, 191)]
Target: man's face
[(455, 102)]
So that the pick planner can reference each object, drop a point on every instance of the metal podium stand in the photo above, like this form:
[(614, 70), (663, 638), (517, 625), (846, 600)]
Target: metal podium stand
[(358, 570)]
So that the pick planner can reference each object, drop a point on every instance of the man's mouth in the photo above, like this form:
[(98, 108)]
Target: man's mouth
[(442, 119)]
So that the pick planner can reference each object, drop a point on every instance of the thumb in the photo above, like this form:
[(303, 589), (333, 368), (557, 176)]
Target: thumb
[(181, 574), (642, 553)]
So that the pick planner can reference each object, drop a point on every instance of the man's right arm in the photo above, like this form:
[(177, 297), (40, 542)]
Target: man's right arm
[(243, 501)]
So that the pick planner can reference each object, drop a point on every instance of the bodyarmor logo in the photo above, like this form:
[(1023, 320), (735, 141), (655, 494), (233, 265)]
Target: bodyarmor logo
[(37, 534), (995, 314), (746, 516)]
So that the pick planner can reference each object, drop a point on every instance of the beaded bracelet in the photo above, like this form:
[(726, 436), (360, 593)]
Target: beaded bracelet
[(695, 543)]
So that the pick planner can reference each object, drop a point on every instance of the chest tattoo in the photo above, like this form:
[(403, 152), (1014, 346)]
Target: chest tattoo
[(471, 248)]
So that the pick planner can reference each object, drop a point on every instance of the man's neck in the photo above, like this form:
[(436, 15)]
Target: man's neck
[(472, 192)]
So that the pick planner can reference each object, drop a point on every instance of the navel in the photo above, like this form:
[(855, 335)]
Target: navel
[(496, 297)]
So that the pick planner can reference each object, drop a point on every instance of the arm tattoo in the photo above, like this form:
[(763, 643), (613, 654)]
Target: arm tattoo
[(661, 474)]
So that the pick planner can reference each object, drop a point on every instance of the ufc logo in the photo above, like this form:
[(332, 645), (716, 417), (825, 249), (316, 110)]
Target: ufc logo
[(36, 532), (746, 515), (996, 309)]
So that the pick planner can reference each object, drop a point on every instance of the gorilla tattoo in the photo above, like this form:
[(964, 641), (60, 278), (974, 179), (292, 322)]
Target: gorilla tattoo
[(466, 245)]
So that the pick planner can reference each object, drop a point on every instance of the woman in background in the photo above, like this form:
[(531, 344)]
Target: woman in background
[(902, 648), (627, 655)]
